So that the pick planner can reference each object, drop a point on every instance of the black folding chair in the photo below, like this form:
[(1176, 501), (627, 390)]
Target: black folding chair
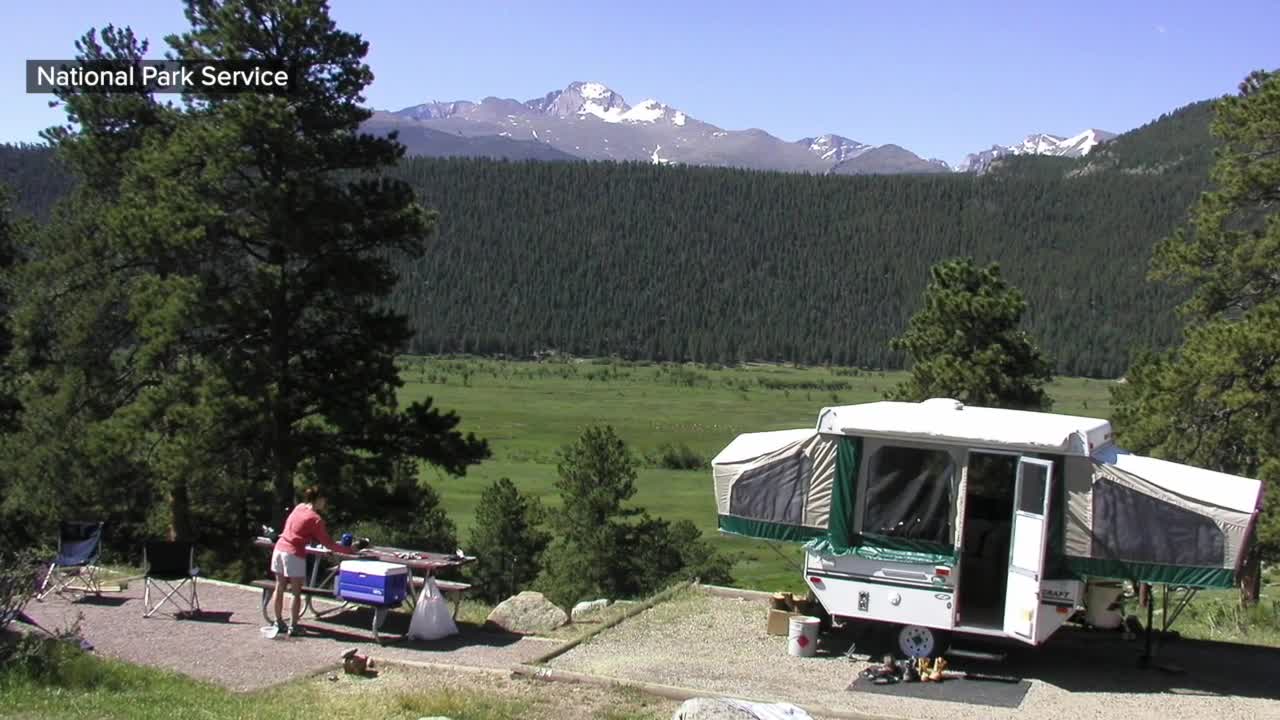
[(173, 566), (79, 544)]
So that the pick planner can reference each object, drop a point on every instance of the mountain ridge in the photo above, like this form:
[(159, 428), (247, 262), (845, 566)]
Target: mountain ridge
[(1073, 146), (589, 120)]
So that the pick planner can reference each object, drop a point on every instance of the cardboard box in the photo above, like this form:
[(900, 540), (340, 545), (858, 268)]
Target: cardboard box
[(786, 601), (780, 621)]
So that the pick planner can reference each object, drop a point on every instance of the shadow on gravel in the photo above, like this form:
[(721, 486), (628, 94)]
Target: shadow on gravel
[(1097, 661), (209, 616), (357, 626), (102, 600)]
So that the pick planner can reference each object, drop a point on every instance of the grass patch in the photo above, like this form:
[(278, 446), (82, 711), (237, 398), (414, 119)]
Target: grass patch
[(86, 686), (1217, 615), (462, 705), (673, 415)]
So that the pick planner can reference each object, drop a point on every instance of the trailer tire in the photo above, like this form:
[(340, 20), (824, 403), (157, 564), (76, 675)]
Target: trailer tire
[(921, 641)]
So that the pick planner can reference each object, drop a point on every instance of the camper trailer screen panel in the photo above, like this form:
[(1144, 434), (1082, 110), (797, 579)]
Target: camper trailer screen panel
[(1129, 525), (909, 494), (774, 492)]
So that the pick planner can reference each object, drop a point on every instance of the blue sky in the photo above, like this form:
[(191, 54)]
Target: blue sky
[(941, 79)]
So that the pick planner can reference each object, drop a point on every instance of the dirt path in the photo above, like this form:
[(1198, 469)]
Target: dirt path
[(227, 648)]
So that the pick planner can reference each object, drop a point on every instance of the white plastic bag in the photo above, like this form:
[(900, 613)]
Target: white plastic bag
[(431, 618)]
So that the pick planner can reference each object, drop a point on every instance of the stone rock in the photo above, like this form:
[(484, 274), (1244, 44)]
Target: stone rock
[(712, 709), (587, 608), (527, 613), (729, 709)]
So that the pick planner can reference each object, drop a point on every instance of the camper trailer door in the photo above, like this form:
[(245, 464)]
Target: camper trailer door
[(1027, 548)]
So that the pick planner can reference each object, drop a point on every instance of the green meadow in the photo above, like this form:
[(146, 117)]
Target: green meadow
[(528, 410)]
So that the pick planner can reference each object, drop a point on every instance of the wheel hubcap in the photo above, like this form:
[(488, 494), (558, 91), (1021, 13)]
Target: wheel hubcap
[(915, 641)]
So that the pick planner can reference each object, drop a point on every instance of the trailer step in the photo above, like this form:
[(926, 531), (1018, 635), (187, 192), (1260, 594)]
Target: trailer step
[(975, 655)]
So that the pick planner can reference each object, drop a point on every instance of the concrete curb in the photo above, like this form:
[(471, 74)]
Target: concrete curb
[(445, 667), (722, 591)]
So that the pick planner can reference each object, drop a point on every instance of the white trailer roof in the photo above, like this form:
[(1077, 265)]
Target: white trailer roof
[(1205, 486), (749, 446), (950, 421)]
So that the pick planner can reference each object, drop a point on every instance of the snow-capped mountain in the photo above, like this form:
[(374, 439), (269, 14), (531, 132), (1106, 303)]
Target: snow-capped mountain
[(835, 148), (589, 120), (1038, 144)]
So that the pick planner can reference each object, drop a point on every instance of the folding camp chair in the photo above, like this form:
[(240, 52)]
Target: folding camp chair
[(79, 542), (173, 566)]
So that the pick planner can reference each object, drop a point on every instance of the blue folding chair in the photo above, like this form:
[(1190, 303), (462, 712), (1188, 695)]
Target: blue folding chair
[(171, 566), (75, 569)]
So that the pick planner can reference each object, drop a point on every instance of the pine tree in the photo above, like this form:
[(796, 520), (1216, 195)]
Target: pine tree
[(211, 308), (603, 547), (79, 350), (508, 540), (11, 232), (1214, 401), (588, 555), (966, 344)]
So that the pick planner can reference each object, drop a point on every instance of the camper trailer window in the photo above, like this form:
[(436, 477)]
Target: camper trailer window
[(1129, 525), (909, 494), (1035, 483), (773, 492)]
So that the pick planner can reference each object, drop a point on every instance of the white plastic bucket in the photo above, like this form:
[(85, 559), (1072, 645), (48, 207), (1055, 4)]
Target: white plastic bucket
[(802, 640), (1098, 598)]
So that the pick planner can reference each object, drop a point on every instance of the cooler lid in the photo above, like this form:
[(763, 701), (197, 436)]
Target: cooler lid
[(372, 567)]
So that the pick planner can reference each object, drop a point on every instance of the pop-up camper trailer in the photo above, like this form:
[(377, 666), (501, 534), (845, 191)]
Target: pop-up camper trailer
[(941, 518)]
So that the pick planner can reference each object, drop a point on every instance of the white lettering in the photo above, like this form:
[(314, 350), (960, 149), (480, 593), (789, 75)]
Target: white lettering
[(178, 77), (81, 77), (232, 79), (210, 75)]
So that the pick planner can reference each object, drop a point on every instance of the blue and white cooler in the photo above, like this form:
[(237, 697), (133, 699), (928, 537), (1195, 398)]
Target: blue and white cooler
[(373, 582)]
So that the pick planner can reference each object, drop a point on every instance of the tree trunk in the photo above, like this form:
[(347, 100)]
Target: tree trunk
[(179, 512), (281, 435), (283, 484), (1251, 577)]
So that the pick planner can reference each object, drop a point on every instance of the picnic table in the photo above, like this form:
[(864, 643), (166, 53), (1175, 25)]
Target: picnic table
[(322, 580)]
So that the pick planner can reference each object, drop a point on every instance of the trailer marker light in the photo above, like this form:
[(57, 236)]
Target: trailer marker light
[(815, 580), (942, 571)]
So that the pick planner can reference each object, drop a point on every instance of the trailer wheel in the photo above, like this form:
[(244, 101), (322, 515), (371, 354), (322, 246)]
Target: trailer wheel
[(920, 641)]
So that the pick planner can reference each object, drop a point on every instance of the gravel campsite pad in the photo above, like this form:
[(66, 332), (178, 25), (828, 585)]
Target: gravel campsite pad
[(227, 648), (719, 645)]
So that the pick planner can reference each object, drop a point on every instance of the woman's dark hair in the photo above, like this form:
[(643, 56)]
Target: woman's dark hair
[(311, 494)]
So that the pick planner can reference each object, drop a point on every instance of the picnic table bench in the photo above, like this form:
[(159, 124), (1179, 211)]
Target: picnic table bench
[(426, 563)]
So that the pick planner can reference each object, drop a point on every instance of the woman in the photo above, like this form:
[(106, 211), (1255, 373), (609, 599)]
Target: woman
[(289, 561)]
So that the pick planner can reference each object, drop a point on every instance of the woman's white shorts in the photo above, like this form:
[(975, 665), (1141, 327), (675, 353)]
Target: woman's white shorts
[(288, 565)]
